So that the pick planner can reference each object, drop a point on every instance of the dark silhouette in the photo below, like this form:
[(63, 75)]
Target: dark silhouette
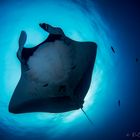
[(112, 49), (119, 102), (73, 67), (45, 85), (30, 95)]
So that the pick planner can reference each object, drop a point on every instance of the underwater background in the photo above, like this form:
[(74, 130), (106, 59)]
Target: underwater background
[(115, 76)]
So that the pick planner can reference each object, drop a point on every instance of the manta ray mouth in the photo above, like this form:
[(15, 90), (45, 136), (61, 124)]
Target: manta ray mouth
[(50, 62)]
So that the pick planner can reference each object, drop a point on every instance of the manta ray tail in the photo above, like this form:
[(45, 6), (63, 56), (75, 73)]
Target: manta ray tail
[(87, 116)]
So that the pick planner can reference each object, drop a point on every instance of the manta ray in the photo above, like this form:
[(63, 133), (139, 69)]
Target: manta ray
[(55, 75)]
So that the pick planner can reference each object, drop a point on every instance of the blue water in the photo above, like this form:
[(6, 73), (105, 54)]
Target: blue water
[(80, 21)]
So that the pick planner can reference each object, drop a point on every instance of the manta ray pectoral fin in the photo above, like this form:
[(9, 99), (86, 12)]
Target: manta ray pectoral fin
[(52, 30), (22, 41), (22, 38)]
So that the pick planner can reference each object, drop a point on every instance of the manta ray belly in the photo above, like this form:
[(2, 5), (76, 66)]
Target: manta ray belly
[(51, 63)]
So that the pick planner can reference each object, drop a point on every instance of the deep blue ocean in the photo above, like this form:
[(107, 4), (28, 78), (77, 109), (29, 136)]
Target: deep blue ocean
[(115, 76)]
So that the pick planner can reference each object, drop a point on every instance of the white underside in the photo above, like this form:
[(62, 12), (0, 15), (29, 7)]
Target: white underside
[(50, 63)]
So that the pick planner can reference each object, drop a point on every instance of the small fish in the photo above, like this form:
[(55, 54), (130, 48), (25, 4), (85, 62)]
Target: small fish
[(137, 59), (73, 67), (118, 102), (45, 85), (112, 49)]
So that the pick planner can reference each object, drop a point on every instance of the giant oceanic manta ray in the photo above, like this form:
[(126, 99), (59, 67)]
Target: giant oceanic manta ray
[(55, 75)]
